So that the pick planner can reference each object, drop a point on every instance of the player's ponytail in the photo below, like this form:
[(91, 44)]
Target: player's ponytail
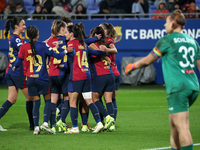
[(178, 19), (77, 34), (12, 23), (32, 33), (56, 26), (80, 25), (110, 30)]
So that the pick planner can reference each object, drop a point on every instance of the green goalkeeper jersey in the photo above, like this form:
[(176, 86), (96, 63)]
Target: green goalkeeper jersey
[(179, 54)]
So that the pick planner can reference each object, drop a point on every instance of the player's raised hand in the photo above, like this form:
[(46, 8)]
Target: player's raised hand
[(98, 36), (103, 48)]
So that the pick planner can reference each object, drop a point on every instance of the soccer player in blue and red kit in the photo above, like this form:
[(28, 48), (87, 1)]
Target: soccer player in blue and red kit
[(16, 80), (35, 56), (111, 34), (80, 77), (101, 71), (59, 74)]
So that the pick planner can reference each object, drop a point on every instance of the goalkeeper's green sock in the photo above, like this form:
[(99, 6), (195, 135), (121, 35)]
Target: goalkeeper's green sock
[(174, 149), (189, 147)]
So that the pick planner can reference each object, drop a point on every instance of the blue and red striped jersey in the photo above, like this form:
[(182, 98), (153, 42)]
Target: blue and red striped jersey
[(14, 44), (99, 66), (110, 40), (78, 62), (58, 66), (36, 66)]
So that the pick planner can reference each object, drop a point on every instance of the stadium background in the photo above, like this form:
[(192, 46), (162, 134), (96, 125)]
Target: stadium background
[(135, 38)]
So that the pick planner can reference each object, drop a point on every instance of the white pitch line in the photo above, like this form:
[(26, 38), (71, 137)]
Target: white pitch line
[(167, 147)]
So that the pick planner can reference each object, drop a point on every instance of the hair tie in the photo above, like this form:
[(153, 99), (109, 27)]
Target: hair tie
[(176, 22)]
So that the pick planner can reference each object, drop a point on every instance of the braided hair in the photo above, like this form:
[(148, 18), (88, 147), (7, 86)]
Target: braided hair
[(32, 33)]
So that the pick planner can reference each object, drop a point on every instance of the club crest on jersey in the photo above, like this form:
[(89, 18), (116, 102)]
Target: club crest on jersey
[(119, 33)]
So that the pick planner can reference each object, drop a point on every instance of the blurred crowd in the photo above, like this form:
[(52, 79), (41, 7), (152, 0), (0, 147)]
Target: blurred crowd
[(140, 8)]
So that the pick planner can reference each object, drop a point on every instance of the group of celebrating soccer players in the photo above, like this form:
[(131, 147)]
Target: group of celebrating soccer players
[(69, 66)]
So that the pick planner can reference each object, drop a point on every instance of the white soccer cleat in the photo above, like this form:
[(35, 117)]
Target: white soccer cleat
[(98, 128), (72, 131), (45, 127), (2, 129), (36, 130)]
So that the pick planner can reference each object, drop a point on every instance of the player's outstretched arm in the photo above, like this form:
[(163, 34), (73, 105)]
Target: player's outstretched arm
[(149, 59)]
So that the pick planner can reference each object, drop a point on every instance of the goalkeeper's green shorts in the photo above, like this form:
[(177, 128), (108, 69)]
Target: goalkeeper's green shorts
[(181, 101)]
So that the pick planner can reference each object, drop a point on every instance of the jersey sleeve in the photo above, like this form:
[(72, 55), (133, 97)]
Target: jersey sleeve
[(18, 43), (88, 41), (95, 52), (161, 47), (49, 51), (110, 41)]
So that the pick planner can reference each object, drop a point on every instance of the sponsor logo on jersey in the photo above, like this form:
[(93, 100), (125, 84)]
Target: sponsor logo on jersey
[(119, 33), (171, 108)]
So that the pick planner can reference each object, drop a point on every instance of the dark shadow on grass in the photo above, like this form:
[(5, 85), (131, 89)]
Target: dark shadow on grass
[(19, 126)]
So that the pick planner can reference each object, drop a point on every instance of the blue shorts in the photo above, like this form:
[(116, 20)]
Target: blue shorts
[(117, 82), (59, 84), (104, 83), (80, 86), (17, 81), (36, 87)]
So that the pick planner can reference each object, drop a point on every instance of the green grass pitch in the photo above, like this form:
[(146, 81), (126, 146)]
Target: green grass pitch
[(142, 123)]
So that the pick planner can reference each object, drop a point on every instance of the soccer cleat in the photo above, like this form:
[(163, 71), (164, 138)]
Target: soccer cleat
[(46, 128), (89, 128), (59, 129), (109, 121), (85, 128), (53, 129), (128, 69), (72, 131), (2, 129), (112, 127), (98, 128), (61, 125), (36, 130)]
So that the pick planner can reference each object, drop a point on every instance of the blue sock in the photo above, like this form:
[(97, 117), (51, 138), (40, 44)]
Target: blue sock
[(4, 108), (95, 112), (29, 110), (101, 108), (110, 109), (74, 116), (64, 110), (59, 106), (189, 147), (115, 108), (47, 110), (84, 118), (53, 114), (36, 112)]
